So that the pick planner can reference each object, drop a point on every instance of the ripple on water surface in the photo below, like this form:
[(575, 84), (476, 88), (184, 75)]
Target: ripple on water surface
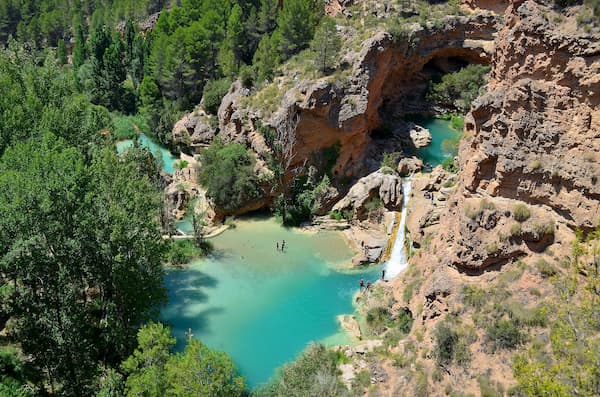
[(259, 305)]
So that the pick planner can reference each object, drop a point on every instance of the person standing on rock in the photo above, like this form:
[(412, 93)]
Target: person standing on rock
[(383, 274), (362, 284)]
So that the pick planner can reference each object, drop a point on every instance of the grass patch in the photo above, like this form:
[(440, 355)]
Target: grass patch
[(546, 269), (521, 212)]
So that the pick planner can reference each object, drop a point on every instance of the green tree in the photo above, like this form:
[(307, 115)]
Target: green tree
[(296, 22), (267, 57), (146, 366), (198, 371), (79, 50), (61, 52), (326, 45), (267, 16), (82, 281), (228, 174), (461, 88), (314, 373), (236, 34)]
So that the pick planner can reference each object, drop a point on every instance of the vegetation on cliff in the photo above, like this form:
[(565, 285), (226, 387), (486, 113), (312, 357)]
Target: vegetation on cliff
[(228, 174), (459, 89)]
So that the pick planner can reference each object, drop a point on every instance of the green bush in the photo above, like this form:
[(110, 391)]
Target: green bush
[(339, 215), (378, 318), (515, 230), (505, 334), (128, 127), (457, 122), (181, 252), (227, 173), (450, 165), (314, 373), (546, 269), (485, 204), (459, 89), (544, 229), (451, 344), (213, 94), (521, 212)]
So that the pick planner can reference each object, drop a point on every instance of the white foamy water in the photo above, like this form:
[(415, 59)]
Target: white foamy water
[(398, 261)]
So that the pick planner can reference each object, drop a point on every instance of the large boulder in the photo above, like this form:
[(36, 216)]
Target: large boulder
[(383, 185), (409, 165)]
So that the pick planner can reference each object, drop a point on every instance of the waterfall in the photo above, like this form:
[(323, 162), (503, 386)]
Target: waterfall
[(398, 260)]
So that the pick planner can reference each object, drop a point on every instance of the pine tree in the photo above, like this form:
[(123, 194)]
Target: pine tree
[(326, 44), (296, 22), (79, 51), (236, 34), (61, 52)]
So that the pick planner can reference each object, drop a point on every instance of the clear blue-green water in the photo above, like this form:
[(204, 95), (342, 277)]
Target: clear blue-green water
[(159, 151), (437, 151), (262, 306)]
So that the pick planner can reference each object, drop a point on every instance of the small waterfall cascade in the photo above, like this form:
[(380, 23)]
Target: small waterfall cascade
[(398, 259)]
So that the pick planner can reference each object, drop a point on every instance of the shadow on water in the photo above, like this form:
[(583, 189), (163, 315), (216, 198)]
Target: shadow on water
[(187, 285)]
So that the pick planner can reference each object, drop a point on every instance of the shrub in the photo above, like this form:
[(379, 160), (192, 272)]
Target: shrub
[(181, 252), (450, 165), (227, 173), (339, 215), (543, 229), (181, 164), (389, 160), (314, 373), (247, 76), (457, 122), (521, 212), (535, 165), (213, 94), (378, 318), (515, 230), (546, 269), (504, 334), (485, 204), (459, 89), (451, 344)]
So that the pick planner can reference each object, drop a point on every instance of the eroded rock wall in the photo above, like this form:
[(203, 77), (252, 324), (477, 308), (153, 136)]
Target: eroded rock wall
[(534, 135)]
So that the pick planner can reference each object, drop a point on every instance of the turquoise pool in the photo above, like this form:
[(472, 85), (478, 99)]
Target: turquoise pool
[(262, 306)]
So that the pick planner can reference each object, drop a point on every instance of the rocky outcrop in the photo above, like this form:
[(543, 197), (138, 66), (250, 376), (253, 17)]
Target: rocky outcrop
[(346, 114), (382, 187), (535, 133), (195, 130), (409, 165)]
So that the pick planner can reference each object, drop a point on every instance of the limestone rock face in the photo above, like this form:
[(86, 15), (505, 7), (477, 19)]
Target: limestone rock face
[(419, 136), (409, 165), (382, 184), (330, 113), (195, 130), (535, 132)]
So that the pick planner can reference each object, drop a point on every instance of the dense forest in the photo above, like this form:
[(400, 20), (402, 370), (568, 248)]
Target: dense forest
[(81, 250)]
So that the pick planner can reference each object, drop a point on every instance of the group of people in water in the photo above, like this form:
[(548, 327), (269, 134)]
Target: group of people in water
[(282, 246)]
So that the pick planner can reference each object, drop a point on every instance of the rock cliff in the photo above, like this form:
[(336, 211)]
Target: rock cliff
[(528, 178), (382, 74)]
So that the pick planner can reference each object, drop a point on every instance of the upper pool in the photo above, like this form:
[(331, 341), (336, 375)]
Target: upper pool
[(260, 305), (158, 150), (441, 131)]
